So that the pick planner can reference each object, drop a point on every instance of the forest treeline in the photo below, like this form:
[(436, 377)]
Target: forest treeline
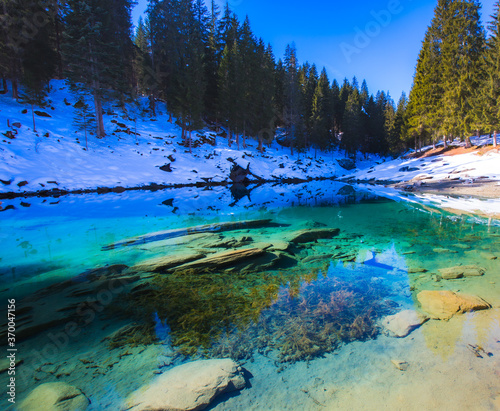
[(211, 69)]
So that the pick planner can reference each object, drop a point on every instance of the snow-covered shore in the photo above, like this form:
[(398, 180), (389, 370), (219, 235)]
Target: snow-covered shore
[(467, 183), (132, 154)]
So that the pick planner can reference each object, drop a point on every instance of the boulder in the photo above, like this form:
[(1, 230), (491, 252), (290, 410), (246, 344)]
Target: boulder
[(403, 323), (442, 305), (311, 235), (165, 263), (55, 396), (191, 386), (224, 259), (461, 271)]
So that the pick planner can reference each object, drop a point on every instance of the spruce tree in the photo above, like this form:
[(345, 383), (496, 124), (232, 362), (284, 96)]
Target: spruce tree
[(462, 45), (352, 124), (322, 113), (490, 96), (84, 118), (292, 98), (95, 35)]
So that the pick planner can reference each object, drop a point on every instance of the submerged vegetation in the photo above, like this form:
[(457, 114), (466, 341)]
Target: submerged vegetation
[(299, 315)]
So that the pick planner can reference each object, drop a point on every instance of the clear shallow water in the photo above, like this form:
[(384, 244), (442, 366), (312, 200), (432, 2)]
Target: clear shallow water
[(304, 320)]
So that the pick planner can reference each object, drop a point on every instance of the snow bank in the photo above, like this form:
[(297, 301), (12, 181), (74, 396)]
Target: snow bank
[(133, 152)]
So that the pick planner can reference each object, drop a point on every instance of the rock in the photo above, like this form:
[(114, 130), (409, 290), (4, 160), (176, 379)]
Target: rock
[(462, 246), (309, 236), (444, 251), (488, 256), (403, 323), (62, 303), (5, 364), (262, 245), (416, 270), (408, 169), (461, 271), (442, 305), (224, 259), (167, 168), (191, 386), (42, 113), (279, 245), (167, 262), (316, 258), (181, 232), (400, 365), (347, 164), (55, 396)]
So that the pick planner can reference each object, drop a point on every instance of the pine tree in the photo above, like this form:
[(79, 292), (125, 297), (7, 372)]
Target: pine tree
[(352, 124), (322, 113), (292, 98), (84, 118), (425, 108), (490, 96), (93, 49), (463, 41)]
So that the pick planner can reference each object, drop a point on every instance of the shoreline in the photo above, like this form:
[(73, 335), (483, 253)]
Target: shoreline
[(479, 188)]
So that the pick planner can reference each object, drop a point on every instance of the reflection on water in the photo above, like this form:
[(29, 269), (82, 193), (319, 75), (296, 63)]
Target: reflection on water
[(309, 284)]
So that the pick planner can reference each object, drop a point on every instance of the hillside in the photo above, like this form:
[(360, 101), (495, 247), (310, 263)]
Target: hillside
[(132, 154)]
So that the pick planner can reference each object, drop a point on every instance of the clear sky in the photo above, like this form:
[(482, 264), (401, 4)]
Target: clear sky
[(376, 40)]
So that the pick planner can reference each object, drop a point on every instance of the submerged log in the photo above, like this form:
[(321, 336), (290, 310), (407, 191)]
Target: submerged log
[(180, 232)]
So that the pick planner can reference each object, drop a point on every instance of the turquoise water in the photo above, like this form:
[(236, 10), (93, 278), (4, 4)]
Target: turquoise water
[(302, 316)]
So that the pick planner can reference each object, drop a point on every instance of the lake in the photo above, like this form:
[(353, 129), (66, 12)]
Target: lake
[(299, 284)]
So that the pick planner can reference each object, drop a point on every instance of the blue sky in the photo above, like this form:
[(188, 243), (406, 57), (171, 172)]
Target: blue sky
[(376, 40)]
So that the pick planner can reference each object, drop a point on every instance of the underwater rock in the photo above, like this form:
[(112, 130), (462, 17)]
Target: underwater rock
[(224, 259), (191, 386), (55, 396), (400, 365), (488, 256), (316, 258), (279, 245), (442, 305), (416, 270), (309, 236), (403, 323), (5, 364), (70, 301), (444, 251), (180, 232), (167, 262), (461, 271)]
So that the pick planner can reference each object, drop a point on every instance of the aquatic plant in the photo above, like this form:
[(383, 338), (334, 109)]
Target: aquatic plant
[(295, 314)]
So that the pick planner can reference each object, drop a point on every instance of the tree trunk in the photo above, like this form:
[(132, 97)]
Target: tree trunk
[(229, 136), (468, 143), (190, 141), (445, 142), (15, 94), (152, 104), (5, 88), (495, 138), (33, 115), (260, 144), (98, 116)]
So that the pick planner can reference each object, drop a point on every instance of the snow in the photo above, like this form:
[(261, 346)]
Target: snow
[(55, 156), (441, 167)]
